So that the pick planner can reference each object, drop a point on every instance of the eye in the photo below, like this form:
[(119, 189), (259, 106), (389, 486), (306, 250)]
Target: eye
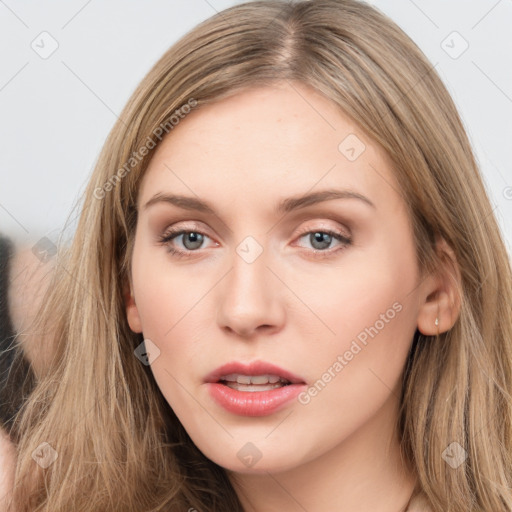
[(321, 239), (192, 240)]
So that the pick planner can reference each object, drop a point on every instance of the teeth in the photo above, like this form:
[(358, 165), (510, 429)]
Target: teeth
[(253, 379), (259, 379), (254, 387)]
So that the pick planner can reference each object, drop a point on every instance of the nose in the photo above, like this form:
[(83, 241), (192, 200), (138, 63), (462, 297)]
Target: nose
[(250, 299)]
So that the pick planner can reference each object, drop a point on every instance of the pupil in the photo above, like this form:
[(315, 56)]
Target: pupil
[(193, 238), (322, 238)]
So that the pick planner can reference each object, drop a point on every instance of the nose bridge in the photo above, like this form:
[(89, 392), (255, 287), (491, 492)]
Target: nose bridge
[(249, 275), (249, 297)]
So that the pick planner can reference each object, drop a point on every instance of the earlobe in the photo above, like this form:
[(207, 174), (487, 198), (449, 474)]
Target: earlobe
[(132, 312), (442, 303)]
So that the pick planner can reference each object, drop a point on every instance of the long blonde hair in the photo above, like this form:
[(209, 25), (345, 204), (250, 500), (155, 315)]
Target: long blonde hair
[(119, 444)]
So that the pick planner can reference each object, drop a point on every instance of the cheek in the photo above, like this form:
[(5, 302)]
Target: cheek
[(352, 377), (167, 301), (164, 294), (172, 308), (371, 313), (371, 292)]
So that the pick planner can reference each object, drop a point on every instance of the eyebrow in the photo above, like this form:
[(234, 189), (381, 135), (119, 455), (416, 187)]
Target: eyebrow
[(285, 206)]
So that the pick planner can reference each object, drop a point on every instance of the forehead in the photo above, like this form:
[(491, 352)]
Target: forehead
[(268, 141)]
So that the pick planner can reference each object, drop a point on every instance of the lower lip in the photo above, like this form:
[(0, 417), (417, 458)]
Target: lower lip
[(253, 403)]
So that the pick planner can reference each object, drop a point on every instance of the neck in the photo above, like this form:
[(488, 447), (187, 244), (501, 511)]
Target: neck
[(363, 472)]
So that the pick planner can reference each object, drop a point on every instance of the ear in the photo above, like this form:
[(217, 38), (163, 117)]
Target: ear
[(441, 298), (132, 313)]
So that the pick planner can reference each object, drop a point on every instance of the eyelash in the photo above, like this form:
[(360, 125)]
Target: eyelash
[(172, 233)]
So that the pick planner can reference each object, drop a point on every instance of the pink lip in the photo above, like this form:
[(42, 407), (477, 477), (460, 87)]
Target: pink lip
[(254, 368), (255, 403)]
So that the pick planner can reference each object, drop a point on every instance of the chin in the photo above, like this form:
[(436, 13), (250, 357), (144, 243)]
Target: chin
[(249, 461)]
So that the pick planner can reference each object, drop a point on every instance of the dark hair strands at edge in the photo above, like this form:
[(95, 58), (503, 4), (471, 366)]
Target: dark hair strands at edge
[(120, 446)]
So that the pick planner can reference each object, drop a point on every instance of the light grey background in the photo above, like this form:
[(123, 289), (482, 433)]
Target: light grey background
[(57, 111)]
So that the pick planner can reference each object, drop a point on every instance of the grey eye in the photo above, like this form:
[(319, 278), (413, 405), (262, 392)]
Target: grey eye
[(192, 240)]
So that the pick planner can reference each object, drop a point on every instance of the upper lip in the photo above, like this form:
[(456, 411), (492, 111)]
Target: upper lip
[(252, 368)]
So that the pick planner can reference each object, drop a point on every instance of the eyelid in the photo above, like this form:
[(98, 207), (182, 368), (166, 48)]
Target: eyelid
[(317, 225), (188, 226), (173, 231), (323, 225), (344, 240)]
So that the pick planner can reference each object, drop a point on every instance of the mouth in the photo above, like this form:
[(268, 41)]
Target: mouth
[(253, 383), (254, 376), (254, 389)]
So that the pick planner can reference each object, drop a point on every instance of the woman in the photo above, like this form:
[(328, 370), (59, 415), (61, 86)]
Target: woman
[(285, 291)]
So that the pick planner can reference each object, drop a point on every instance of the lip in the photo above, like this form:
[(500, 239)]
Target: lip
[(254, 368), (253, 403)]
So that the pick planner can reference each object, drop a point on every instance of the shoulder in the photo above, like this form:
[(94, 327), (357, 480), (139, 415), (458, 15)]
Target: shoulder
[(419, 504), (30, 279), (7, 333), (6, 252), (16, 375), (7, 467)]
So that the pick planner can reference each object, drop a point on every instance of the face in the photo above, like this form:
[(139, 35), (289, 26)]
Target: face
[(312, 303)]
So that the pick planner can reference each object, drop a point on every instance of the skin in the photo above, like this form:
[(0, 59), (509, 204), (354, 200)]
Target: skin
[(28, 280), (7, 465), (290, 306)]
